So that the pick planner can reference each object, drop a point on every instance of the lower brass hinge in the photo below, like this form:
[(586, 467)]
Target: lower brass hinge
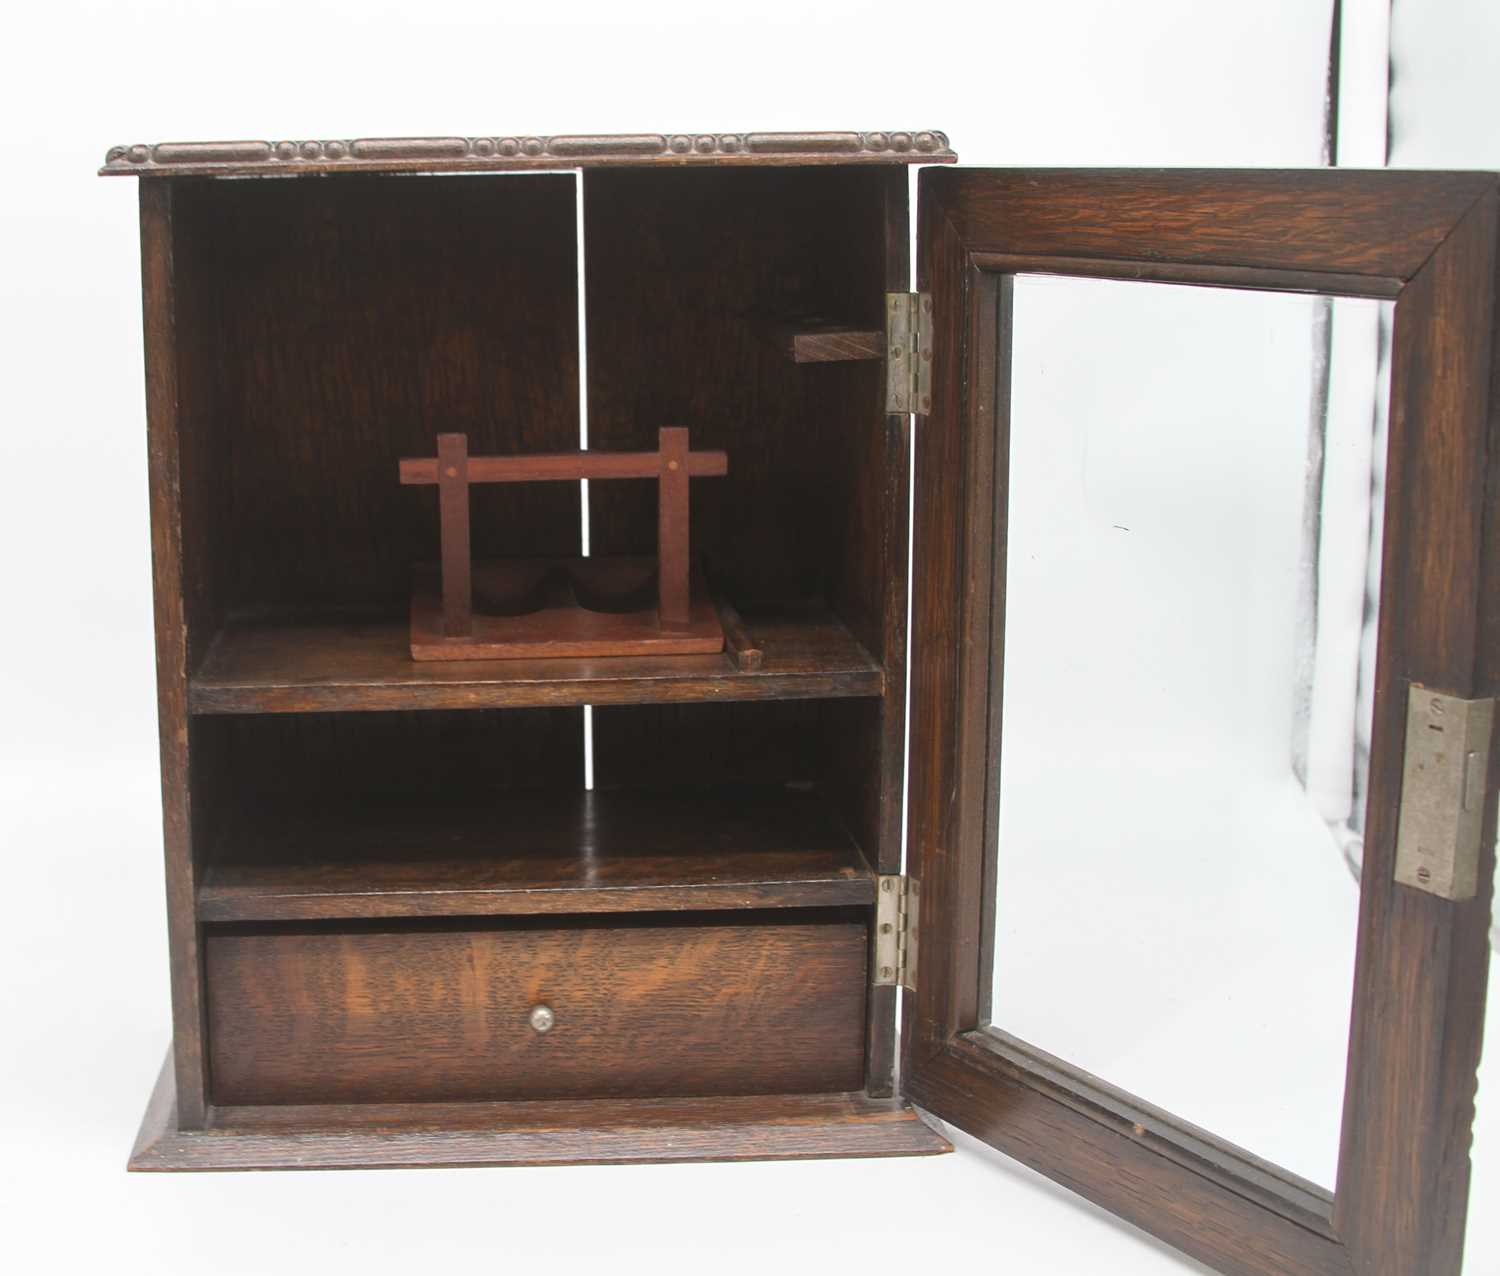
[(908, 352), (1443, 779), (896, 909)]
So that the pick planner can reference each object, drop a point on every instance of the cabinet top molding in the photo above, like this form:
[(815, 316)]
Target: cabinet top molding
[(461, 154)]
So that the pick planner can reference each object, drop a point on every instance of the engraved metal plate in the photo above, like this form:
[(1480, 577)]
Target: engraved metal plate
[(1442, 793)]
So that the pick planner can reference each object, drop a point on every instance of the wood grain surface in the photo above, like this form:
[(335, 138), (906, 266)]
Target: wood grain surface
[(310, 666), (351, 323), (684, 271), (185, 608), (303, 337), (439, 1012), (576, 1131), (1429, 241)]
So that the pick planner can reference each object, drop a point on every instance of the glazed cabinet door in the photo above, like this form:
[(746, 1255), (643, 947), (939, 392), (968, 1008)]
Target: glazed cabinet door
[(1206, 623)]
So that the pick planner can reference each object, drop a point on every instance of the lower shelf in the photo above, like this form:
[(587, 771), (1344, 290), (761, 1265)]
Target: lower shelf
[(536, 853), (596, 1131)]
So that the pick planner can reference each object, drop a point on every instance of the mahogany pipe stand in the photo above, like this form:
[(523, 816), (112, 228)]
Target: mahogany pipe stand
[(563, 606)]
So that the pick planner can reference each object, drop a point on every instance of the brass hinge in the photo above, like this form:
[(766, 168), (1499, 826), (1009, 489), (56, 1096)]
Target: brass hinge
[(896, 909), (1443, 780), (908, 352)]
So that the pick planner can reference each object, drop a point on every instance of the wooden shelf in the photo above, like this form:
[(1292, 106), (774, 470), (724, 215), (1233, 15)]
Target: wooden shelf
[(536, 853), (807, 653)]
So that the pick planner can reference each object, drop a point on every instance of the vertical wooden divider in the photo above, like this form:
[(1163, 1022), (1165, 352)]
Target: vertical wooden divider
[(672, 528), (453, 517)]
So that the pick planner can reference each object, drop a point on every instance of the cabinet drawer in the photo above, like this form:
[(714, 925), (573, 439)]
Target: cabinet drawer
[(444, 1011)]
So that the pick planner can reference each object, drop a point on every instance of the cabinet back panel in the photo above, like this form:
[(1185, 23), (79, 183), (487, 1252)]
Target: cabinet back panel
[(255, 770), (763, 742), (340, 325), (425, 1013), (685, 269), (445, 755)]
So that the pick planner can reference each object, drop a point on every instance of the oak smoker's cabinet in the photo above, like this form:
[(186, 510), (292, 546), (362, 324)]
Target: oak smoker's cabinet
[(406, 929)]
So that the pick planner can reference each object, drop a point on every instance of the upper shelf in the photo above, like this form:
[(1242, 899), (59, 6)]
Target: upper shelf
[(806, 653), (461, 154)]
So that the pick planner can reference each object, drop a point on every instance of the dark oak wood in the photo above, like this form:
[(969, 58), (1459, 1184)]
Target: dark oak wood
[(179, 601), (533, 852), (519, 151), (261, 763), (345, 325), (1381, 225), (325, 330), (1428, 240), (776, 742), (680, 264), (576, 1131), (1117, 1169), (1420, 981), (683, 270), (303, 668), (439, 1012), (870, 765)]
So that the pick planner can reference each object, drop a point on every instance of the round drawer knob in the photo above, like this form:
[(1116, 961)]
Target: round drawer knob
[(542, 1018)]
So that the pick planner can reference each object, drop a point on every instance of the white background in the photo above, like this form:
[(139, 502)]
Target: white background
[(83, 995)]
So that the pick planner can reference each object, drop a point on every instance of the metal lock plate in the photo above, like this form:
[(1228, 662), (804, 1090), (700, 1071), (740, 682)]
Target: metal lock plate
[(1443, 784)]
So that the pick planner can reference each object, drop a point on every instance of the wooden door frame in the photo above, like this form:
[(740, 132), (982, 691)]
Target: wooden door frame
[(1429, 243)]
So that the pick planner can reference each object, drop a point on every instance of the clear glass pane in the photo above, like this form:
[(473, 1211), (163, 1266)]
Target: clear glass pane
[(1190, 522)]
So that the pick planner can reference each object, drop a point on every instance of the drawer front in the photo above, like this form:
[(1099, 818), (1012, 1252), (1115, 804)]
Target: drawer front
[(433, 1012)]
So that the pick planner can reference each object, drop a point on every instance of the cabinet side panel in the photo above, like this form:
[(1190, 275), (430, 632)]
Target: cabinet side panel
[(867, 759), (174, 608)]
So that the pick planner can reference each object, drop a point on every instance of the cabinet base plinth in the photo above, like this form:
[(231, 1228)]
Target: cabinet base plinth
[(583, 1132)]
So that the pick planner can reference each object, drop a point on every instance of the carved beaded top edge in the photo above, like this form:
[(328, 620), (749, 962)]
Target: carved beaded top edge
[(390, 154)]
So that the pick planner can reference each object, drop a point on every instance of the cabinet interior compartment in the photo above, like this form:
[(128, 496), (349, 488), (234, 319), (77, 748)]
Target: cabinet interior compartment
[(307, 817), (357, 818)]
